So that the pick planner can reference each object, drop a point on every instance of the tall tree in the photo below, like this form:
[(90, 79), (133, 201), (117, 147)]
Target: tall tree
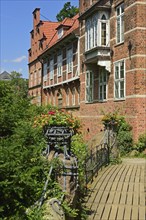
[(68, 11)]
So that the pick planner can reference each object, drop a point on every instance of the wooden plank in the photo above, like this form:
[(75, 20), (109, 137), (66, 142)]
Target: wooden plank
[(106, 212), (125, 186), (136, 199), (114, 186), (142, 199), (131, 187), (104, 197), (129, 200), (120, 214), (99, 212), (127, 214), (98, 197), (113, 212), (120, 186), (117, 198), (123, 198), (111, 197), (142, 213), (127, 178), (136, 187), (134, 213)]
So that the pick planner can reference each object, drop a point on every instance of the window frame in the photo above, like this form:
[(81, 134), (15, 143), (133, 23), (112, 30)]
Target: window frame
[(69, 60), (51, 69), (120, 24), (102, 84), (89, 86), (59, 64), (67, 97), (118, 80), (73, 96), (45, 71), (60, 32)]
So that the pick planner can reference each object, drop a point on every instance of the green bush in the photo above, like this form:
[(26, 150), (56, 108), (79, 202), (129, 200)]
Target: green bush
[(140, 146), (124, 137)]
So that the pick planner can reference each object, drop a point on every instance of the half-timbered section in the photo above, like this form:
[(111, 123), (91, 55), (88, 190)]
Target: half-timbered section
[(60, 60)]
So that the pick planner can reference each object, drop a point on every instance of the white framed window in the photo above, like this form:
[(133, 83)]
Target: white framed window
[(51, 69), (39, 76), (104, 31), (94, 31), (120, 23), (78, 90), (97, 31), (89, 86), (88, 35), (60, 32), (73, 96), (103, 85), (119, 82), (67, 97), (59, 65), (45, 71), (69, 60)]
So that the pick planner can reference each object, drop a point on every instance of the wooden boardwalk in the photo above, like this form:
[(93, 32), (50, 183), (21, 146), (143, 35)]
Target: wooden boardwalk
[(119, 192)]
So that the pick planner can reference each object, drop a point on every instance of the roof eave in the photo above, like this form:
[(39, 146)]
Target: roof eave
[(91, 10)]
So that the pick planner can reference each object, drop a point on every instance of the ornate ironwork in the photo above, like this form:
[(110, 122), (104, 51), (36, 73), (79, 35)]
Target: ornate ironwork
[(58, 138)]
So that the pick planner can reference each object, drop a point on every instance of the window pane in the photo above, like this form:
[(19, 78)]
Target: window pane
[(104, 91), (122, 89), (103, 33), (122, 69), (118, 11), (116, 90), (118, 30), (122, 8), (122, 28), (116, 72)]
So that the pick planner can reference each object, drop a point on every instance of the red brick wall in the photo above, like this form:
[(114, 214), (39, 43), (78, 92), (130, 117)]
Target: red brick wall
[(134, 105)]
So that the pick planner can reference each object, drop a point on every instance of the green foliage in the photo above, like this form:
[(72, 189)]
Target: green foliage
[(13, 106), (79, 148), (68, 11), (140, 146), (124, 137), (23, 170)]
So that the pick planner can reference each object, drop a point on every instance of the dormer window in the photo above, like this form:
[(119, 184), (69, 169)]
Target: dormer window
[(60, 32)]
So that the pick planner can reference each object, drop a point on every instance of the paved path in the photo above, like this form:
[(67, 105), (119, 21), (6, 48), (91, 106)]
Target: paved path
[(119, 192)]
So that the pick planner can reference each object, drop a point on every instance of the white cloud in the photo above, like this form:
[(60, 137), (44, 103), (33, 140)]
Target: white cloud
[(19, 59)]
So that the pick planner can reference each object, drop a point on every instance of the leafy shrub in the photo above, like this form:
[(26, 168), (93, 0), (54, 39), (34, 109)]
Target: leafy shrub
[(122, 128), (141, 144)]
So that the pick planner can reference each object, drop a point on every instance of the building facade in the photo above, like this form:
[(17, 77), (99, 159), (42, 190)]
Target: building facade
[(98, 65)]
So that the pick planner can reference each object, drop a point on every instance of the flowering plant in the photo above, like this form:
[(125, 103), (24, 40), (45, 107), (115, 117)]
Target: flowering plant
[(111, 119), (56, 118)]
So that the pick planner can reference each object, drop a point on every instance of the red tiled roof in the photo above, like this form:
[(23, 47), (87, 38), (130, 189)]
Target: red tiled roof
[(72, 22), (49, 29)]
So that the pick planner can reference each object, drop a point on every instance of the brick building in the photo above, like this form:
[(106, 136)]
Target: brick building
[(108, 70)]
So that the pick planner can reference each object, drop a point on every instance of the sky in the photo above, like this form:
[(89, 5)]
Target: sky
[(16, 22)]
